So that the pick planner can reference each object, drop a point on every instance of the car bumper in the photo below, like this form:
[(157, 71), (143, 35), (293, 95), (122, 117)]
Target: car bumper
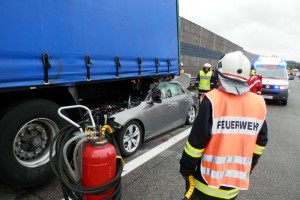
[(275, 94)]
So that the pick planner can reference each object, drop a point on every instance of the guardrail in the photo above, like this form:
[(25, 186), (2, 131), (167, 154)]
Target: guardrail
[(192, 81)]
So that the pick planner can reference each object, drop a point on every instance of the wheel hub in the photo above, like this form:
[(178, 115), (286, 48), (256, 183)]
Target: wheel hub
[(31, 141), (36, 141)]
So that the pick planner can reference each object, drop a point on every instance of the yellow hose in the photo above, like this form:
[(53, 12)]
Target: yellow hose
[(103, 129), (190, 191), (106, 127), (109, 129)]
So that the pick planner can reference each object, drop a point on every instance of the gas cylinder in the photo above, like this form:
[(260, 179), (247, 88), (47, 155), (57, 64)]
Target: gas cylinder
[(98, 166)]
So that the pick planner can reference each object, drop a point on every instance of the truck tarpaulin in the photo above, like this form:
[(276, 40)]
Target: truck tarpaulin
[(112, 35)]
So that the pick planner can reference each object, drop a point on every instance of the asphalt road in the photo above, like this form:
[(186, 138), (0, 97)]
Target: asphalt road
[(276, 177)]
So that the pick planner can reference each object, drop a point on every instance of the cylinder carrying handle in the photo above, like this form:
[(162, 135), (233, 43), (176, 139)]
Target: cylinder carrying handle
[(71, 121)]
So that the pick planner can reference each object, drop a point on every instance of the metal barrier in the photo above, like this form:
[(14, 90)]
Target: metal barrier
[(192, 81)]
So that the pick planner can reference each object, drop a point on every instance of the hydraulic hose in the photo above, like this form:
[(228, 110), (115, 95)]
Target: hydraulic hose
[(191, 188), (75, 153), (65, 147), (72, 188)]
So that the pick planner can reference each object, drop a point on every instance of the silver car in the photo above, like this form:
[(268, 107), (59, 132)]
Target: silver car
[(167, 105)]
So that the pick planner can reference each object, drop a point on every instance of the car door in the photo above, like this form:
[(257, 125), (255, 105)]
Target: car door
[(180, 104), (159, 115)]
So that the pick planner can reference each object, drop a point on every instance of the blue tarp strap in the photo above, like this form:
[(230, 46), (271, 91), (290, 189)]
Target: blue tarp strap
[(156, 64), (169, 65), (140, 65), (118, 65), (47, 66), (88, 64)]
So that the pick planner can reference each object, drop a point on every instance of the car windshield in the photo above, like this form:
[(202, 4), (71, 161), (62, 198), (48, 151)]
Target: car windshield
[(167, 89), (279, 73)]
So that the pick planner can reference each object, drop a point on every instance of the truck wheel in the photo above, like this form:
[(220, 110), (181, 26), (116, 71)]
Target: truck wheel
[(130, 138), (191, 116), (26, 130)]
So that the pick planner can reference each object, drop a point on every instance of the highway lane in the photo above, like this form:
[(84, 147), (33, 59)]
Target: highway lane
[(276, 177)]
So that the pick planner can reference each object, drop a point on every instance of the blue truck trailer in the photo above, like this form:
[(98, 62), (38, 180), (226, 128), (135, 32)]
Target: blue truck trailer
[(57, 53)]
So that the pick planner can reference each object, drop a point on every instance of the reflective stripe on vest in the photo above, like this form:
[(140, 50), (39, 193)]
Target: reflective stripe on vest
[(229, 159), (191, 151), (237, 120), (204, 83), (228, 173), (215, 192)]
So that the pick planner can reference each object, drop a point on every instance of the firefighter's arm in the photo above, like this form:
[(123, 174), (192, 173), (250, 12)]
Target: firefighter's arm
[(197, 140), (260, 145)]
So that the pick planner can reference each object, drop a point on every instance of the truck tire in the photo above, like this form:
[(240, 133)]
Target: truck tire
[(26, 130)]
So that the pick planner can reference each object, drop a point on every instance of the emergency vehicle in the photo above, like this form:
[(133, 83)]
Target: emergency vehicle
[(275, 81)]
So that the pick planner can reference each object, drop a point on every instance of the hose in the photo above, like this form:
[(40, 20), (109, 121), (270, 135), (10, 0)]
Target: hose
[(65, 147), (190, 191), (72, 189), (75, 153)]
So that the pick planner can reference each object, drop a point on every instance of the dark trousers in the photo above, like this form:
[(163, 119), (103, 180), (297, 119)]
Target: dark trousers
[(200, 92)]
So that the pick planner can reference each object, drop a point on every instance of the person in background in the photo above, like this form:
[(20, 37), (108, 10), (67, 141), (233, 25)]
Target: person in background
[(203, 80), (213, 80), (255, 82), (182, 68), (228, 136)]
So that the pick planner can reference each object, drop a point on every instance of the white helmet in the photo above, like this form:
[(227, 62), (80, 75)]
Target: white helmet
[(207, 65), (235, 66), (181, 64)]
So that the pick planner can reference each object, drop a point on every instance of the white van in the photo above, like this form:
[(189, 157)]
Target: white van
[(296, 72), (275, 79)]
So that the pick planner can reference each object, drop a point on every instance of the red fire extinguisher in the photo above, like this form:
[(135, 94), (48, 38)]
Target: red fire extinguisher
[(98, 166)]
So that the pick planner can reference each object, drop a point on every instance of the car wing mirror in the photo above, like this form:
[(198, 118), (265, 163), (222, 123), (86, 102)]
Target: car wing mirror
[(156, 96)]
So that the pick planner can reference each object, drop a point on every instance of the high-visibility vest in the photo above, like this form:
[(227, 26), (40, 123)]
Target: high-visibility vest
[(204, 83), (237, 120)]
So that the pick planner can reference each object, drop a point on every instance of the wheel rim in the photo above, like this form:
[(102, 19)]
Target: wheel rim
[(192, 114), (131, 138), (31, 144)]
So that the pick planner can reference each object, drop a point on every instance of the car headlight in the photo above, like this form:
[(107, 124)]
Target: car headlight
[(284, 87)]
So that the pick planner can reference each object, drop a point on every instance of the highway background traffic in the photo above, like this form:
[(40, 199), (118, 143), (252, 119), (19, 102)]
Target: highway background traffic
[(276, 176)]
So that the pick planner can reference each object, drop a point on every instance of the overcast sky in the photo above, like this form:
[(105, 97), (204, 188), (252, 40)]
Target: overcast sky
[(264, 27)]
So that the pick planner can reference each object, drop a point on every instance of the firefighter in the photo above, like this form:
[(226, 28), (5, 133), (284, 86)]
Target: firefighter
[(228, 136), (182, 70), (255, 82), (203, 80)]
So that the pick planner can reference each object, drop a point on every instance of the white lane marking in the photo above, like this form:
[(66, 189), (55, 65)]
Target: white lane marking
[(133, 164)]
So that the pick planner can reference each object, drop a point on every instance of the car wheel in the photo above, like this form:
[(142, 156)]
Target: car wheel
[(130, 138), (26, 131), (191, 115), (284, 102)]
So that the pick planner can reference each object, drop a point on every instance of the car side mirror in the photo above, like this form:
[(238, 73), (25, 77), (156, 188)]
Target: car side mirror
[(156, 96), (291, 77)]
